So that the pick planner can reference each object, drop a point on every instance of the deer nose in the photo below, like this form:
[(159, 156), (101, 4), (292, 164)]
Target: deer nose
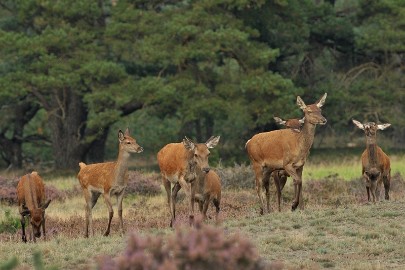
[(38, 234), (140, 149), (324, 121), (206, 170)]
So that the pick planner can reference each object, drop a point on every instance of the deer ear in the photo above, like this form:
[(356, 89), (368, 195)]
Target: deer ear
[(45, 205), (301, 103), (383, 126), (279, 120), (121, 136), (358, 124), (188, 144), (212, 142), (321, 101), (126, 132), (302, 120)]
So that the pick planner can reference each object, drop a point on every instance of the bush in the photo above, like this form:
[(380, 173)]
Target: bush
[(10, 224), (202, 247), (236, 177), (145, 184)]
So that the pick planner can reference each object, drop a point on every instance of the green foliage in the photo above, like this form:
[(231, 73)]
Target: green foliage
[(10, 223), (10, 264)]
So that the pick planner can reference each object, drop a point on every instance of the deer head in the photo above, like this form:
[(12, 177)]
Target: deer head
[(127, 143), (37, 217), (313, 113), (201, 151), (293, 124), (370, 128)]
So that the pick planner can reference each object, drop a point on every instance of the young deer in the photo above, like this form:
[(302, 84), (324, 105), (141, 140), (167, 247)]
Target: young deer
[(181, 164), (284, 150), (31, 202), (109, 179), (207, 191), (376, 167), (280, 176)]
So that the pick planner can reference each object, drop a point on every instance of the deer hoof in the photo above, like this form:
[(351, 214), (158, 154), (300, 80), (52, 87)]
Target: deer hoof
[(106, 233), (294, 206)]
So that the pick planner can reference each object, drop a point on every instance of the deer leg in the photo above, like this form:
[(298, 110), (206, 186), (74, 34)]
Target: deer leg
[(43, 226), (387, 183), (167, 185), (207, 200), (266, 183), (120, 198), (216, 203), (88, 207), (192, 201), (373, 189), (32, 236), (297, 184), (278, 187), (24, 237), (175, 190), (107, 200), (259, 184)]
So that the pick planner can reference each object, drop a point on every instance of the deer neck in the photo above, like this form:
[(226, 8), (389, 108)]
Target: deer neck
[(371, 144), (121, 167), (306, 138)]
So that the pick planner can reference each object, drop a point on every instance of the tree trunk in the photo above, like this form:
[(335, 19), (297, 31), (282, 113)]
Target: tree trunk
[(97, 148)]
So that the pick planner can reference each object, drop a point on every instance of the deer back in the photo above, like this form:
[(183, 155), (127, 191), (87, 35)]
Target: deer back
[(274, 148), (173, 159), (99, 175), (31, 191)]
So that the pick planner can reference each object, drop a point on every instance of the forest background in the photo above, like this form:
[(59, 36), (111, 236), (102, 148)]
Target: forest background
[(74, 72)]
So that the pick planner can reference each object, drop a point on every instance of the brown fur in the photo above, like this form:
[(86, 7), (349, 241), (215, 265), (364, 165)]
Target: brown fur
[(209, 191), (108, 178), (181, 164), (376, 167), (31, 202), (284, 150)]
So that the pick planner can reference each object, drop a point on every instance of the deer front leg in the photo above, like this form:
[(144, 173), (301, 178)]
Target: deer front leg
[(107, 200), (192, 201), (167, 185), (266, 185), (24, 237), (120, 198), (387, 183), (259, 184), (43, 226), (175, 190), (297, 184)]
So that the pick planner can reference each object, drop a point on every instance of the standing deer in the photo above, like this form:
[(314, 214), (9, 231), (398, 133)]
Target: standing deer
[(209, 190), (376, 167), (181, 164), (108, 178), (31, 202), (284, 150)]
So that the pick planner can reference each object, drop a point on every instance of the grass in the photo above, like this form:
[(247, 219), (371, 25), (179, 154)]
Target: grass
[(339, 231)]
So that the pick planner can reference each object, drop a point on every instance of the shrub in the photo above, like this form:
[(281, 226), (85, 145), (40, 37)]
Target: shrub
[(236, 177), (202, 247), (145, 184), (10, 224)]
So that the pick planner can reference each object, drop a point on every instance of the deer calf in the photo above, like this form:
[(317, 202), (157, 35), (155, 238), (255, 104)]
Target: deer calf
[(108, 179), (31, 202), (207, 191), (376, 168), (181, 164)]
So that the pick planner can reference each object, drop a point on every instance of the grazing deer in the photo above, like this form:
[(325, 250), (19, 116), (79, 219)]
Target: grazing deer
[(375, 163), (280, 176), (207, 191), (108, 178), (181, 164), (284, 150), (31, 202)]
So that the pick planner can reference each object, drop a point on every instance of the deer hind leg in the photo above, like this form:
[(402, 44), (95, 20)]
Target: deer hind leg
[(207, 200), (266, 185), (259, 184), (277, 182), (172, 206), (107, 200), (43, 226), (216, 203), (88, 207)]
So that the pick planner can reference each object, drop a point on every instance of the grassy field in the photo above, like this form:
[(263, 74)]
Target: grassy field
[(337, 229)]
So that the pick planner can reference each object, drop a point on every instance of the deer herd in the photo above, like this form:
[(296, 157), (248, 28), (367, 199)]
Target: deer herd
[(276, 155)]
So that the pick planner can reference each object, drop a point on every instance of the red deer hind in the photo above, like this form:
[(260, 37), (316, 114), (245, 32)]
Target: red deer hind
[(108, 179), (181, 164), (31, 202), (376, 167), (284, 150)]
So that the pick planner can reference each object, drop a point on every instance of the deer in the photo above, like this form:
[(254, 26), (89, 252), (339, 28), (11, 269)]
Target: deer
[(182, 165), (108, 179), (376, 167), (32, 203), (280, 176), (207, 191), (284, 150)]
